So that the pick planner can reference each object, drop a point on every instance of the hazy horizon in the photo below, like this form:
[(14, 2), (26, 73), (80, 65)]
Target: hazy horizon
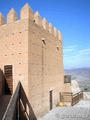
[(77, 68)]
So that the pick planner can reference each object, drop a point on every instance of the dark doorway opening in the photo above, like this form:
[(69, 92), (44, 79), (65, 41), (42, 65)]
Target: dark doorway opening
[(51, 103), (8, 78)]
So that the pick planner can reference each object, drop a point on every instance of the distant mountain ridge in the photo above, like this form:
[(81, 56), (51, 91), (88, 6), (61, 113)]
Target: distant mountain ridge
[(81, 75)]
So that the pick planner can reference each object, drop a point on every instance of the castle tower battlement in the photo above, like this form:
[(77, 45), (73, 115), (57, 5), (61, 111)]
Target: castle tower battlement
[(55, 32), (50, 28), (27, 13), (45, 24), (60, 36), (38, 19), (12, 16), (2, 19)]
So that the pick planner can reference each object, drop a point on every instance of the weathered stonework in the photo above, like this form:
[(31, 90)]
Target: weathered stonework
[(35, 50)]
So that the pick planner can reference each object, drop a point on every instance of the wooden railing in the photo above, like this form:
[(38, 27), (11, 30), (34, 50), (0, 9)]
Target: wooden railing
[(69, 97), (19, 107), (77, 97)]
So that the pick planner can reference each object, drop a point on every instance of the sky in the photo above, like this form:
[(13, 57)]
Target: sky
[(71, 17)]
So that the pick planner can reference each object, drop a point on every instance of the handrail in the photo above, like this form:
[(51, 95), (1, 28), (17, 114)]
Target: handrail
[(70, 97), (77, 97), (77, 93), (19, 107), (10, 111)]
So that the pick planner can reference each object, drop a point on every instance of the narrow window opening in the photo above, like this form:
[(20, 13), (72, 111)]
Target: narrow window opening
[(44, 41), (58, 48)]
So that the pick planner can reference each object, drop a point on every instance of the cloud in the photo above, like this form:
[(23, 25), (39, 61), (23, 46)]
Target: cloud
[(76, 57), (76, 61), (84, 52), (65, 55), (70, 48)]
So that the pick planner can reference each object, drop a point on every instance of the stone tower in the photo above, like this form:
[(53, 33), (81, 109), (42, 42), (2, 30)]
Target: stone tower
[(34, 49)]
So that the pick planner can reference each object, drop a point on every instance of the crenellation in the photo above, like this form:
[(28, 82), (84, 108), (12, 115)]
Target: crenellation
[(60, 36), (12, 16), (27, 12), (50, 28), (55, 32), (2, 19), (45, 24), (38, 19)]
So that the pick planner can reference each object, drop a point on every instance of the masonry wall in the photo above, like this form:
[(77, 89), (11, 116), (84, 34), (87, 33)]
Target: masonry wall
[(45, 69), (14, 50), (35, 49)]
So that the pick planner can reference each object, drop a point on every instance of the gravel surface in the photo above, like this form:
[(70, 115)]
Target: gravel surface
[(80, 111)]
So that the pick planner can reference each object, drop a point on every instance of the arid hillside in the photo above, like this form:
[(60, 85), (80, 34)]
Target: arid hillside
[(82, 76)]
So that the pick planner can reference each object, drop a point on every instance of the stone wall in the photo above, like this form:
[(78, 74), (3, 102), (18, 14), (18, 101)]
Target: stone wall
[(14, 49), (45, 64), (35, 49)]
